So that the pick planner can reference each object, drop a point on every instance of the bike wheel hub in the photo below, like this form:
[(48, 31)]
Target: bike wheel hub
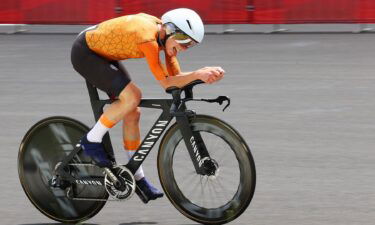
[(211, 167)]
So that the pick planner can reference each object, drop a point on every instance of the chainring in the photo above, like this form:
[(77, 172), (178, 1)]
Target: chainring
[(127, 180)]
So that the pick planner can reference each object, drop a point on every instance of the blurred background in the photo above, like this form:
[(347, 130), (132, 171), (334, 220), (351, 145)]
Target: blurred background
[(219, 12), (300, 73)]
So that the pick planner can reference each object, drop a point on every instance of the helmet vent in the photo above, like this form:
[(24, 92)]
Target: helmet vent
[(188, 22)]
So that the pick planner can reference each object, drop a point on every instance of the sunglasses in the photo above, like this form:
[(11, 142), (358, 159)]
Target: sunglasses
[(180, 37), (184, 40)]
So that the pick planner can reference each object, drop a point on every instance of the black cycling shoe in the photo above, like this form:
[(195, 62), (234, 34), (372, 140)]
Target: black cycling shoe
[(146, 191), (96, 152)]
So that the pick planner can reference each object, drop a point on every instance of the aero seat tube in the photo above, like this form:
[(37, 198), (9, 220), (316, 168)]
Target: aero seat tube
[(97, 106)]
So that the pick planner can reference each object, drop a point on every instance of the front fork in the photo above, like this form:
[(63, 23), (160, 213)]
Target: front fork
[(194, 142)]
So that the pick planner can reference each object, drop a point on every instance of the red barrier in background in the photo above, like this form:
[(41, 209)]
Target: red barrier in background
[(10, 11), (94, 11), (313, 11), (56, 11), (212, 11), (366, 11)]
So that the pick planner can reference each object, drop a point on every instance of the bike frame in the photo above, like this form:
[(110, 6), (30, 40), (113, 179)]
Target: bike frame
[(193, 140)]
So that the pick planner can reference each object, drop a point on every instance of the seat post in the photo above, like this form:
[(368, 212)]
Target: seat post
[(97, 107)]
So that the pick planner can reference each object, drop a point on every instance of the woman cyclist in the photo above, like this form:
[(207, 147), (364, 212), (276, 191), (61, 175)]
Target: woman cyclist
[(96, 53)]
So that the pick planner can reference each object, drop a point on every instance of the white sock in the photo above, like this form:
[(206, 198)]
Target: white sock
[(99, 130), (139, 174)]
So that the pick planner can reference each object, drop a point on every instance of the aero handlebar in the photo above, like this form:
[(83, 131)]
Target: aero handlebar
[(176, 94)]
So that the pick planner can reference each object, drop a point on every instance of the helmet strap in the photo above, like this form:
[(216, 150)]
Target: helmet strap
[(168, 33), (162, 42)]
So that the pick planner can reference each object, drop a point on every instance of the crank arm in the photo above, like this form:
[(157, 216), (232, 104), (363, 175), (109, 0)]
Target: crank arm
[(219, 100), (112, 177)]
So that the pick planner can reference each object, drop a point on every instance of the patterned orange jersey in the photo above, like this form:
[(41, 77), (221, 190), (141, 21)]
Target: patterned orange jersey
[(132, 36)]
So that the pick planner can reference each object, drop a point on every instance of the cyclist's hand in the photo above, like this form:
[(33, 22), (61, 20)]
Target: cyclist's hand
[(210, 74)]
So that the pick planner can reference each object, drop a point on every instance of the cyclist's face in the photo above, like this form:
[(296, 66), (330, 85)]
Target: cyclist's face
[(172, 47)]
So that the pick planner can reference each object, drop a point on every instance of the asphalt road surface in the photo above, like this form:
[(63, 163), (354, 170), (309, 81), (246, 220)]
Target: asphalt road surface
[(303, 102)]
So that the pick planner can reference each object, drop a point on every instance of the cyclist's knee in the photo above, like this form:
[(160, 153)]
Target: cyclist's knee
[(131, 96)]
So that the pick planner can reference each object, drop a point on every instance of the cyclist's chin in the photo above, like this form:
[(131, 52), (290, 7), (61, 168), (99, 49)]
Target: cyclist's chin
[(172, 52)]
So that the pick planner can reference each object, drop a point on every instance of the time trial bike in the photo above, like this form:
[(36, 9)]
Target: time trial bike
[(205, 167)]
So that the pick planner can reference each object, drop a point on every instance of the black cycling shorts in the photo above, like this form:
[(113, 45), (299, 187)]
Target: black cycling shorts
[(109, 76)]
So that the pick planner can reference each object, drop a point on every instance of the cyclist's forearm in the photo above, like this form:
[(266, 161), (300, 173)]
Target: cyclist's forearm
[(184, 73), (179, 80)]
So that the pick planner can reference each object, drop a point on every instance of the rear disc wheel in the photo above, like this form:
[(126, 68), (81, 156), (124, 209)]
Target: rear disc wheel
[(45, 145)]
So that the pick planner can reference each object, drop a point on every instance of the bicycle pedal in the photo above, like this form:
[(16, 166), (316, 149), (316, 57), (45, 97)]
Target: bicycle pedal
[(141, 195)]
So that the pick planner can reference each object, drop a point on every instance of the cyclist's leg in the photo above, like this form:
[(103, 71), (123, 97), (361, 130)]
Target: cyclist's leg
[(131, 137), (128, 94), (105, 75), (128, 101), (131, 131)]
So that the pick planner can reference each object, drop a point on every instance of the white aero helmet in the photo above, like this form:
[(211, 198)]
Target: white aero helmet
[(184, 21)]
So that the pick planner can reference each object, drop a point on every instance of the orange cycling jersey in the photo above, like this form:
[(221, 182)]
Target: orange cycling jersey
[(132, 36)]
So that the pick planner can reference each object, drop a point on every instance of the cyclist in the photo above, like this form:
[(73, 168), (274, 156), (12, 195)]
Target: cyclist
[(96, 53)]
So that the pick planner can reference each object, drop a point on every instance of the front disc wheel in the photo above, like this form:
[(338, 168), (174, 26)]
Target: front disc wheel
[(226, 191)]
